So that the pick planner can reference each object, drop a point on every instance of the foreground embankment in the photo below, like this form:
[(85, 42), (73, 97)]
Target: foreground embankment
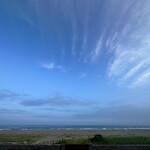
[(52, 136), (74, 147)]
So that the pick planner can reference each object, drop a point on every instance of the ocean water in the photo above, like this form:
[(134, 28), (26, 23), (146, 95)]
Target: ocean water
[(71, 127)]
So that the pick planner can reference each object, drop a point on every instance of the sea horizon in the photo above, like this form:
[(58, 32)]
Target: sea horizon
[(73, 127)]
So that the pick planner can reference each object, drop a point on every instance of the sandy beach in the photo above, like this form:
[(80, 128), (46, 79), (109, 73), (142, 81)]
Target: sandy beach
[(51, 136)]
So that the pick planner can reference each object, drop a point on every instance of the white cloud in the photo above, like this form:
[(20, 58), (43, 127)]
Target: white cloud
[(133, 70), (49, 65), (129, 66), (130, 49), (144, 78), (96, 52), (111, 41), (52, 65)]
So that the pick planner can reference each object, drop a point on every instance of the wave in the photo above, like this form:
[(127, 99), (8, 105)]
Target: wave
[(71, 127)]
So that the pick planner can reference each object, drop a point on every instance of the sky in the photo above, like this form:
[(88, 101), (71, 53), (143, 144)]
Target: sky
[(74, 62)]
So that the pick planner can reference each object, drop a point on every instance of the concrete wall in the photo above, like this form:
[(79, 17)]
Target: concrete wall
[(120, 147), (62, 147), (31, 147)]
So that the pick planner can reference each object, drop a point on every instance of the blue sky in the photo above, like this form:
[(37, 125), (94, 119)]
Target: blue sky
[(75, 62)]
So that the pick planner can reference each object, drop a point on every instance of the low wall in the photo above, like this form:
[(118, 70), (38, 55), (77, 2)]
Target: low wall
[(31, 147), (78, 147), (120, 147)]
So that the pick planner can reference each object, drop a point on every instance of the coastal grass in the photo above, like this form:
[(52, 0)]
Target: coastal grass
[(96, 140), (108, 141), (19, 139)]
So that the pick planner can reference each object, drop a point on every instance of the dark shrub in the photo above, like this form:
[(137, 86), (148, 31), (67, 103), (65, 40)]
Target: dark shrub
[(97, 139)]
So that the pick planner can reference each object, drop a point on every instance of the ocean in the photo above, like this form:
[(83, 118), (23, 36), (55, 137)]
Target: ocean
[(72, 127)]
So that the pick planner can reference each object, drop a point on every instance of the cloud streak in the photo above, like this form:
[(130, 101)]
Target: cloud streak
[(8, 111), (130, 49), (57, 100), (96, 52), (52, 65), (144, 78), (4, 93), (48, 65)]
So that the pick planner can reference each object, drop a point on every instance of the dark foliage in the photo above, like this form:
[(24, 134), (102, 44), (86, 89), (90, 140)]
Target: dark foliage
[(97, 139)]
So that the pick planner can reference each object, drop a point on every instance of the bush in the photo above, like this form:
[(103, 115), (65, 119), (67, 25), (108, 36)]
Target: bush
[(97, 139)]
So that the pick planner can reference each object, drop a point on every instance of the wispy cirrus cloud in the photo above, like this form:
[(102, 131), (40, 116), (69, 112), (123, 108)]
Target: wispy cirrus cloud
[(144, 78), (130, 49), (130, 65), (96, 52)]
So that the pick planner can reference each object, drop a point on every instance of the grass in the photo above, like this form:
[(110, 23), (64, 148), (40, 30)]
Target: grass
[(128, 140), (20, 139), (30, 139), (109, 141)]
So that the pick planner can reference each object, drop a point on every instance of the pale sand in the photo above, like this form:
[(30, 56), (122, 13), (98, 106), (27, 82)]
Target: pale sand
[(51, 136)]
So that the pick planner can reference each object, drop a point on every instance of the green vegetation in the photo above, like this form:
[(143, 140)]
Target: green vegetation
[(97, 139), (128, 140), (100, 140), (19, 139)]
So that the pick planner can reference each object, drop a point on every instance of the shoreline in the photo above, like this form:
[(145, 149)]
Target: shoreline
[(129, 132)]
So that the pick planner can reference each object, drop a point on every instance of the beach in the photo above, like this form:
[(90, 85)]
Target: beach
[(52, 136)]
